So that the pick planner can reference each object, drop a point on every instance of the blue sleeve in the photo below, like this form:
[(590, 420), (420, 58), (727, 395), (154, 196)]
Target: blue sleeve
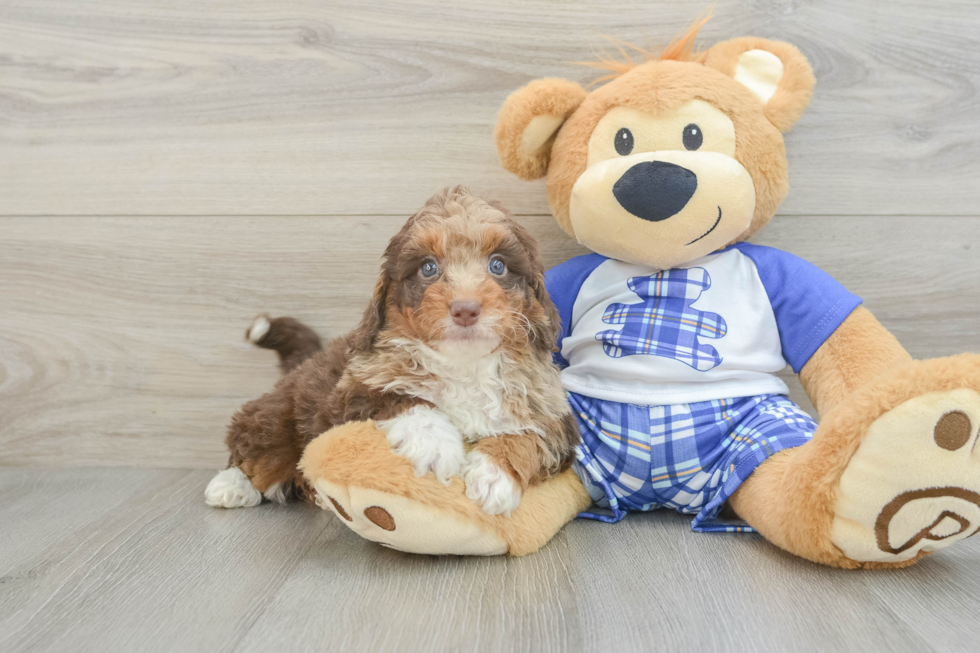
[(809, 304), (563, 283)]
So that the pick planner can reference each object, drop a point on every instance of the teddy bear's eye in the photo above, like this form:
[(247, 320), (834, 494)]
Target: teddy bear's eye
[(693, 137), (624, 141)]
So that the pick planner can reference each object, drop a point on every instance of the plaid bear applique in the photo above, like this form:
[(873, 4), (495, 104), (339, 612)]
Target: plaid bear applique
[(664, 323)]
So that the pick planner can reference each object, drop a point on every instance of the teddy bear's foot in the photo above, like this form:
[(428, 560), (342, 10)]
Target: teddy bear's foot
[(418, 528), (913, 485), (377, 494), (891, 475)]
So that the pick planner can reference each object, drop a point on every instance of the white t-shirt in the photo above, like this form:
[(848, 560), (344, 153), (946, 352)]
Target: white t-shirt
[(718, 327)]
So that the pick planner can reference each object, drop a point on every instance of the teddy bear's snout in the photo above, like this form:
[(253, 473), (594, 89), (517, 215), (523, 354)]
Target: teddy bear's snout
[(655, 190)]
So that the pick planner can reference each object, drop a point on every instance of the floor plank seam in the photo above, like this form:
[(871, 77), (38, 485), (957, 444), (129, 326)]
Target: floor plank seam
[(259, 610)]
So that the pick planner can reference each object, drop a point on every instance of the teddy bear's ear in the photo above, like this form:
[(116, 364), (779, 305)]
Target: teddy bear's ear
[(776, 73), (528, 122)]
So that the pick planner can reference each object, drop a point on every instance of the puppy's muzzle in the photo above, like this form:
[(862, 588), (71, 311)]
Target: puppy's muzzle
[(465, 312), (655, 190)]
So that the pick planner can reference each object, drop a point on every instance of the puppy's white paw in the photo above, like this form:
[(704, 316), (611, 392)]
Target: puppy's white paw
[(428, 439), (231, 489), (490, 486)]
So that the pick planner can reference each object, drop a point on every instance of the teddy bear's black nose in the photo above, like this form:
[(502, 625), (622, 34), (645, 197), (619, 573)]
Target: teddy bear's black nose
[(655, 190)]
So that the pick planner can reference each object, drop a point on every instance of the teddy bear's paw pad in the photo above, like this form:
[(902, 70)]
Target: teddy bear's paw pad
[(337, 508), (380, 518), (914, 483), (401, 523)]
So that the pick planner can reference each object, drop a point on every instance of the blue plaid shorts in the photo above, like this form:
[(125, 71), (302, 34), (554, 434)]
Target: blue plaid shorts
[(687, 457)]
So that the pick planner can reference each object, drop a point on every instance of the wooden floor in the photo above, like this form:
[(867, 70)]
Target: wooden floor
[(132, 560), (170, 168)]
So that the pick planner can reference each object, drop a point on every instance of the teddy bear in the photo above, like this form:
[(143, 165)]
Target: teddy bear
[(673, 330)]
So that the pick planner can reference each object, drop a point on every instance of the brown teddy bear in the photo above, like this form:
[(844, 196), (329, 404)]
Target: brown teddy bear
[(673, 332)]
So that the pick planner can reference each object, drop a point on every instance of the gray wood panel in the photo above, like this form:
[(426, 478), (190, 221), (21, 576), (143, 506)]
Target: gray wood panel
[(123, 560), (196, 107), (121, 339), (159, 571)]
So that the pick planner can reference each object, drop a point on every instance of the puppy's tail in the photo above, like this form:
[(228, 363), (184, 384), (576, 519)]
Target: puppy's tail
[(290, 338)]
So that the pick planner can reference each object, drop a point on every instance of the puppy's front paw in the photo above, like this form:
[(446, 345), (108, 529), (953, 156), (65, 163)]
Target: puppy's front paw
[(428, 439), (489, 486)]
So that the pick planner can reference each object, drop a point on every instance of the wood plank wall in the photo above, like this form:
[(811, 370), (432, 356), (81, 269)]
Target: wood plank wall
[(168, 169)]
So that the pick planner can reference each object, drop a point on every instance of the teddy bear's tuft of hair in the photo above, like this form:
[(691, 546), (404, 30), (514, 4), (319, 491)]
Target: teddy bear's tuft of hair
[(681, 48)]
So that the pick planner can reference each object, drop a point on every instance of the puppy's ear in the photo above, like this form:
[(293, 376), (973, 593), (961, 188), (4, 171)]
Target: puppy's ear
[(547, 331), (374, 317), (544, 331), (776, 73), (528, 122)]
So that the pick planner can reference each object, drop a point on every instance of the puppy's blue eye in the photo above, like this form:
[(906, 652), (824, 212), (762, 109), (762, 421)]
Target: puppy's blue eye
[(429, 269), (497, 267)]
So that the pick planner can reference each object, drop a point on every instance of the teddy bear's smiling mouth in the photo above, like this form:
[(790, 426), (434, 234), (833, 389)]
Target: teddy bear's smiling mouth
[(708, 231)]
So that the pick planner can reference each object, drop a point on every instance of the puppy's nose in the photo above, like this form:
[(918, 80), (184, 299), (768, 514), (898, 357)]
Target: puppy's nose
[(465, 311), (655, 190)]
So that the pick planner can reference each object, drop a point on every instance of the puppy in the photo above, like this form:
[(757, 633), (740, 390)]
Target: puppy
[(454, 348)]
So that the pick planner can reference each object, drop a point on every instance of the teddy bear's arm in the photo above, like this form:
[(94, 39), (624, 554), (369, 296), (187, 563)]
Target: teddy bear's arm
[(377, 495), (857, 352)]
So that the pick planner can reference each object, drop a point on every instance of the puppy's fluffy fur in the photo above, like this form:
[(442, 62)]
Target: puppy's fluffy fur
[(455, 346)]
